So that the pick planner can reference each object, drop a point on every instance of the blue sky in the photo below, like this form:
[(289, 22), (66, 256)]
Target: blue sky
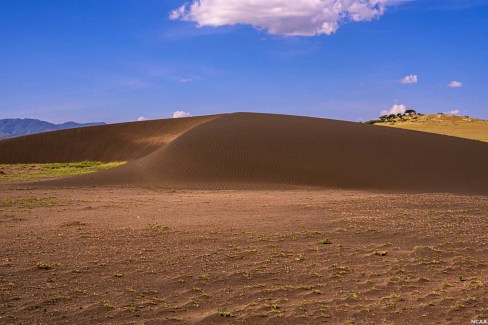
[(118, 60)]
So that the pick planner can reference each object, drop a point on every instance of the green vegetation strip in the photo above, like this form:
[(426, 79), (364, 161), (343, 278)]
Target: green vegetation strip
[(27, 203), (16, 173)]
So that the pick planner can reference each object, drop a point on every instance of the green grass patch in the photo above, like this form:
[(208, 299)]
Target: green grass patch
[(16, 173), (27, 203)]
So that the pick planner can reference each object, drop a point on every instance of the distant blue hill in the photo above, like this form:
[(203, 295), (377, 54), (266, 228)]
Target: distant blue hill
[(10, 128)]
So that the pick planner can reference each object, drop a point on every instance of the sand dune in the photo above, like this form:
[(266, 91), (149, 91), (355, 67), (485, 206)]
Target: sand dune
[(247, 150), (115, 142)]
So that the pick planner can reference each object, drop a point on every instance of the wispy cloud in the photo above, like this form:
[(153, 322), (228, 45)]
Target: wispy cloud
[(455, 84), (178, 32), (186, 80), (152, 73), (134, 84)]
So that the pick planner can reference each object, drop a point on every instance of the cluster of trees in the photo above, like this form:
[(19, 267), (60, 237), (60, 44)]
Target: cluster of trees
[(394, 117)]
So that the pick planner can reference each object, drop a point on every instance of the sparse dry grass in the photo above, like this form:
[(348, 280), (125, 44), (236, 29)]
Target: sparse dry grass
[(457, 126), (147, 259)]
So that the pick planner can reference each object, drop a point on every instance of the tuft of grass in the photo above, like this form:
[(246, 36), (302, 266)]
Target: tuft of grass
[(459, 306), (157, 226), (325, 241), (107, 304), (380, 253), (79, 291), (447, 284), (224, 313), (44, 266)]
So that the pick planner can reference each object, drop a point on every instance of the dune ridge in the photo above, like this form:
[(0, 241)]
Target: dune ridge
[(251, 150), (106, 143)]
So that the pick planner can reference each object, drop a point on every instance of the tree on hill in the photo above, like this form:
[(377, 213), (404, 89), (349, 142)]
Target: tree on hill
[(395, 117)]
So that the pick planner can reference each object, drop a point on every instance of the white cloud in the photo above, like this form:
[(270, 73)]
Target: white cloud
[(141, 118), (179, 114), (455, 112), (282, 17), (395, 109), (455, 84), (185, 80), (410, 79)]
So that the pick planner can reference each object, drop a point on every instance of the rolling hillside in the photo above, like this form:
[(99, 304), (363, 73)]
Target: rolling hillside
[(457, 126), (10, 128)]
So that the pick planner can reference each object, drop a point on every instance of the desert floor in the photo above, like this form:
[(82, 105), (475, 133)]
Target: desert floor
[(135, 255)]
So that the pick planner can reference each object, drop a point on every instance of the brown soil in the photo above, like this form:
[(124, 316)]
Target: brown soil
[(134, 255), (247, 218)]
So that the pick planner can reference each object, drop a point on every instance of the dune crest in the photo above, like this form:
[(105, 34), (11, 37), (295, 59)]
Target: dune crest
[(250, 150), (107, 143)]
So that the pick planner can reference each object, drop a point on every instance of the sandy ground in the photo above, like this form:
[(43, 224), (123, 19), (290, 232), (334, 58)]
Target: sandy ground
[(152, 256)]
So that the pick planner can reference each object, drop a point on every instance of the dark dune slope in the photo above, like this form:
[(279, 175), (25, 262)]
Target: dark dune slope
[(262, 150), (116, 142)]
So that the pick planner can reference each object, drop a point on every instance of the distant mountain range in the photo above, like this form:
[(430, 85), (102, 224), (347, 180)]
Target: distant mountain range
[(10, 128)]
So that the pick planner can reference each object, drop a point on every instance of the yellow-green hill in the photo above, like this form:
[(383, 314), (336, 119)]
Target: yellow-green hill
[(457, 126)]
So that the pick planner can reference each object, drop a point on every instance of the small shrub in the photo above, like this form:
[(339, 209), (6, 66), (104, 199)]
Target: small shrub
[(224, 313), (107, 304), (157, 226), (44, 266)]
